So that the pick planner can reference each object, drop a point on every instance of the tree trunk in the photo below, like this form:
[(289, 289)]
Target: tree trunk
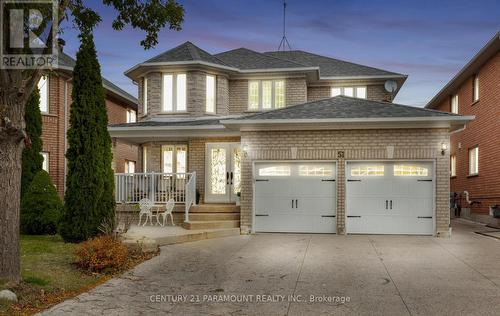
[(12, 107)]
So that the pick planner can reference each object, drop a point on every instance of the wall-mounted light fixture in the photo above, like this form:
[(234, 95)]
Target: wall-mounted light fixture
[(245, 149), (444, 146)]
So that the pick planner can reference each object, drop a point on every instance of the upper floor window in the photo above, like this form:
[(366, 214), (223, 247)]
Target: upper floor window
[(131, 116), (266, 94), (45, 162), (174, 93), (145, 95), (454, 103), (210, 94), (475, 88), (43, 87), (473, 161), (357, 92), (453, 165)]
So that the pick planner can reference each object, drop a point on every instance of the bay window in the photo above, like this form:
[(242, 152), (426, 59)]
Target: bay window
[(174, 92), (266, 94), (174, 158), (210, 94), (356, 92), (131, 116), (43, 88)]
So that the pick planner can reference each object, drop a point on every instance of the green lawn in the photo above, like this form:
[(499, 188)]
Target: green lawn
[(48, 274)]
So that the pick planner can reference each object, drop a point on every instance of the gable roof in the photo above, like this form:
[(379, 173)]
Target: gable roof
[(342, 107), (186, 52), (488, 50), (66, 62), (332, 67), (245, 59)]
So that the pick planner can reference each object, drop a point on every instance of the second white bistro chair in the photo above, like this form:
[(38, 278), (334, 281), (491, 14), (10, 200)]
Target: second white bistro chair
[(169, 207)]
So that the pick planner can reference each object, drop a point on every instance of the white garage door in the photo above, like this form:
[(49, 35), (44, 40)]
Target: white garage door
[(390, 198), (295, 197)]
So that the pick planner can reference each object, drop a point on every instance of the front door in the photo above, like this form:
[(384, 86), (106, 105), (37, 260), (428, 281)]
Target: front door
[(223, 172)]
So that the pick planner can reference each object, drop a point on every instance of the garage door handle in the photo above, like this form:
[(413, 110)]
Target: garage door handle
[(330, 180), (425, 180), (386, 204), (296, 203), (391, 204), (261, 214), (261, 179), (351, 216), (227, 177), (353, 180), (327, 215), (424, 216), (292, 203)]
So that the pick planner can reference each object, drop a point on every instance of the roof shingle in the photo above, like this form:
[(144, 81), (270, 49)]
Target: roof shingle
[(186, 52), (246, 59)]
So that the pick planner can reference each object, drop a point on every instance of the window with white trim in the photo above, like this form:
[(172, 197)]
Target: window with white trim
[(144, 159), (473, 161), (210, 94), (45, 162), (453, 165), (454, 103), (131, 116), (356, 92), (43, 88), (145, 95), (129, 166), (174, 158), (410, 171), (476, 88), (275, 171), (174, 92), (266, 94), (367, 171)]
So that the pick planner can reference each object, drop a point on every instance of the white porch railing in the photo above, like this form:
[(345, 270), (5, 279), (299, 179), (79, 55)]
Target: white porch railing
[(158, 187)]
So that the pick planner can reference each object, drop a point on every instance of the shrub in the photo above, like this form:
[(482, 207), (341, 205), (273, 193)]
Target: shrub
[(101, 254), (41, 207)]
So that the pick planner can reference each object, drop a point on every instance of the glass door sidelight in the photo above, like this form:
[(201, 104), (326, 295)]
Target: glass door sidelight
[(223, 172)]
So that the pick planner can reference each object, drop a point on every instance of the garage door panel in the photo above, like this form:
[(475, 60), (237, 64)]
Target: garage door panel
[(313, 187), (372, 224), (273, 187), (398, 202), (313, 208), (317, 205)]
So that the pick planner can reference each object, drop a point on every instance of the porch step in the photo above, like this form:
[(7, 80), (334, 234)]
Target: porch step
[(214, 216), (211, 224), (211, 208)]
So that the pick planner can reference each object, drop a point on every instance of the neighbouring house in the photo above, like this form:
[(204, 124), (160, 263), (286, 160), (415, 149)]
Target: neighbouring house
[(474, 150), (55, 101), (311, 144)]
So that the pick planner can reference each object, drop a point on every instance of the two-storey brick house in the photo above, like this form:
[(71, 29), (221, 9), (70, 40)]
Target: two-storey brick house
[(311, 143), (55, 101), (474, 150)]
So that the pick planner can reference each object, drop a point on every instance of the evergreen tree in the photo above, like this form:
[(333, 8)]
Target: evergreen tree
[(41, 206), (32, 159), (89, 182)]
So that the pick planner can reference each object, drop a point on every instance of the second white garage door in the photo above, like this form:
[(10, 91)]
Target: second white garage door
[(390, 198), (295, 197)]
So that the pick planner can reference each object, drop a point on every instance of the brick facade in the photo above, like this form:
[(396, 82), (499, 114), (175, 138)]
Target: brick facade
[(356, 145), (54, 129), (482, 132)]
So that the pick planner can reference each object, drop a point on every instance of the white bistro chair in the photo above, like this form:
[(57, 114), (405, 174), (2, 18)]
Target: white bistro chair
[(146, 206), (169, 207)]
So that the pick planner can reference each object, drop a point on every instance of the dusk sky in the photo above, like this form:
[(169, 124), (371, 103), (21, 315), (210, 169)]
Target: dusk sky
[(427, 40)]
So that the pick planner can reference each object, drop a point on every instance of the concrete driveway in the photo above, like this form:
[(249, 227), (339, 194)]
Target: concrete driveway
[(373, 275)]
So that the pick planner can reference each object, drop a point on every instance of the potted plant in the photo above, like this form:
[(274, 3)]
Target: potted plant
[(238, 196)]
